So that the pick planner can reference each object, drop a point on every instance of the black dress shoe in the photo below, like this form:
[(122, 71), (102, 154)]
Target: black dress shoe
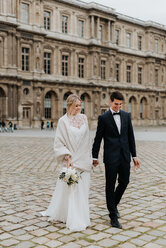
[(115, 223)]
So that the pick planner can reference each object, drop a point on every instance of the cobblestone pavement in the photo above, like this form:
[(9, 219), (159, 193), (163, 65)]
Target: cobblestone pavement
[(27, 181)]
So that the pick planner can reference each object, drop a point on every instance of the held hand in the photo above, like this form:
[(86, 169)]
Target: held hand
[(69, 162), (136, 163), (95, 162)]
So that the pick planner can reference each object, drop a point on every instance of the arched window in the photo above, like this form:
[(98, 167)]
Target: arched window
[(143, 108), (47, 105), (64, 101), (132, 107), (85, 105), (129, 107)]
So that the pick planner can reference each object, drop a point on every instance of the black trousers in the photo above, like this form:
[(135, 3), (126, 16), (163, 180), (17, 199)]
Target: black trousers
[(120, 171)]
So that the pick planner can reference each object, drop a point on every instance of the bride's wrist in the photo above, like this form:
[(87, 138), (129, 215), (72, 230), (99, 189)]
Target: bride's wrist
[(67, 157)]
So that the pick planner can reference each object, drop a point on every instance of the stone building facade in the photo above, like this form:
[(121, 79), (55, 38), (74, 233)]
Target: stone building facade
[(49, 49)]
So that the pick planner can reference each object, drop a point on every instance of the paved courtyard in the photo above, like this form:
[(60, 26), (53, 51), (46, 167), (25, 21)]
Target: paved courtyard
[(28, 178)]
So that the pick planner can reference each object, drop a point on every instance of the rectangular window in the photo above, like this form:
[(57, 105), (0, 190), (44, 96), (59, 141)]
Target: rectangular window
[(117, 37), (139, 42), (103, 69), (128, 74), (25, 59), (25, 13), (100, 32), (65, 60), (81, 67), (156, 77), (64, 24), (80, 28), (47, 17), (156, 46), (47, 63), (117, 72), (128, 40), (140, 75)]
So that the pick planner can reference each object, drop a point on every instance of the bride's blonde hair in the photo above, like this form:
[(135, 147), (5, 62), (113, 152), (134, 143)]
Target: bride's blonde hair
[(71, 100)]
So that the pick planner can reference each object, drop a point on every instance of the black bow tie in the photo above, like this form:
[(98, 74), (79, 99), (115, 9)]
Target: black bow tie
[(116, 113)]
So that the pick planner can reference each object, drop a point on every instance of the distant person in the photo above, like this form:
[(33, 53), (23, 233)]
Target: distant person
[(52, 125), (10, 125), (0, 126), (4, 128), (48, 125), (42, 125), (15, 126)]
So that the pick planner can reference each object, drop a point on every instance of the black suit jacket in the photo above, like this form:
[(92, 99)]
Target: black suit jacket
[(115, 144)]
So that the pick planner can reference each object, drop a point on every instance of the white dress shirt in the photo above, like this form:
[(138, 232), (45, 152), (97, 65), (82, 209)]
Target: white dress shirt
[(117, 120)]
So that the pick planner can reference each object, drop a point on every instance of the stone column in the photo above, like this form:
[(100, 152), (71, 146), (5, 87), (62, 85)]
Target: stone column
[(15, 101), (4, 6), (134, 72), (98, 24), (109, 26), (92, 27), (72, 63), (54, 24), (9, 100), (14, 50), (59, 61), (42, 104), (113, 32), (9, 49), (58, 20), (1, 51), (60, 103), (73, 24), (75, 66)]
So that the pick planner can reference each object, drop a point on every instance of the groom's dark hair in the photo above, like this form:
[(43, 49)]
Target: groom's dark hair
[(116, 95)]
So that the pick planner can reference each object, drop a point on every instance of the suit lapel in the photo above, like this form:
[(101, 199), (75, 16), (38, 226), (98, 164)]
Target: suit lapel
[(122, 121)]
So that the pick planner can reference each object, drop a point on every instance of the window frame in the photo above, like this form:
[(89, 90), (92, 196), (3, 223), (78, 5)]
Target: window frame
[(117, 72), (65, 64), (80, 32), (117, 35), (139, 74), (25, 59), (23, 12), (140, 42), (156, 45), (47, 24), (128, 39), (81, 67), (128, 73), (47, 61), (65, 24), (103, 69), (156, 76)]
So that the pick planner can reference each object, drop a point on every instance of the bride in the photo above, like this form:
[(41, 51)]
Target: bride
[(69, 204)]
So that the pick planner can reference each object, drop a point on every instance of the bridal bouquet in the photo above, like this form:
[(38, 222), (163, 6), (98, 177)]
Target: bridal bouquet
[(69, 175)]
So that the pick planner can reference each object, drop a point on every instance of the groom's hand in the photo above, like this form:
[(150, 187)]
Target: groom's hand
[(136, 163), (95, 162)]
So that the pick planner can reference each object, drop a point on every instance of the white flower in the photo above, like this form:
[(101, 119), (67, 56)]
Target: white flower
[(69, 175)]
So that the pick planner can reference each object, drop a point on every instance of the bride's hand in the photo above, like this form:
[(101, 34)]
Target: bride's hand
[(69, 163)]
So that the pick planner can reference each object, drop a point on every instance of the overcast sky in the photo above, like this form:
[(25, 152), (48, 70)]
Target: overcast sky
[(154, 10)]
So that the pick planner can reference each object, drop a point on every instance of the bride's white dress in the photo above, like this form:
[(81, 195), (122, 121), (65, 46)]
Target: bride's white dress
[(69, 204)]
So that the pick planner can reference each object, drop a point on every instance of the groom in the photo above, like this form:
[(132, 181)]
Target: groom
[(115, 127)]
